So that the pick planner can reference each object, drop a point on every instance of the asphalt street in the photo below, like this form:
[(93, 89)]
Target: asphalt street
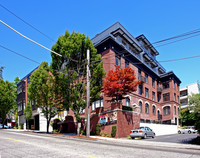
[(17, 144), (174, 138)]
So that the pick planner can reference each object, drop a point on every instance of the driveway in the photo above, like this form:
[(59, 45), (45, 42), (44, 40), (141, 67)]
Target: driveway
[(174, 138)]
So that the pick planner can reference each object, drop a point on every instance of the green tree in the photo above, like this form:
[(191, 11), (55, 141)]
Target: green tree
[(187, 117), (44, 91), (72, 66), (7, 99), (194, 102), (28, 113)]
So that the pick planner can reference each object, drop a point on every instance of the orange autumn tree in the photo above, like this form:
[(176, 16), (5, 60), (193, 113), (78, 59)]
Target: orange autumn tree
[(119, 82)]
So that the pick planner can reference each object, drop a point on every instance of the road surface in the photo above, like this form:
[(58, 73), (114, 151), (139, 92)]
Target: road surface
[(16, 144)]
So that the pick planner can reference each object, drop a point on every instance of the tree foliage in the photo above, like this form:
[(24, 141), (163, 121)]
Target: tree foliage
[(194, 102), (72, 65), (44, 91), (7, 98), (28, 111), (119, 82)]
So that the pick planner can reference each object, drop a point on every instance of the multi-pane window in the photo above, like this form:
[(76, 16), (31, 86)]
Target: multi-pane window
[(146, 108), (178, 99), (19, 89), (166, 97), (146, 92), (139, 72), (174, 85), (19, 105), (126, 64), (153, 83), (146, 78), (154, 110), (158, 96), (153, 96), (98, 103), (127, 102), (117, 60), (174, 110), (174, 96), (165, 85), (140, 105), (166, 110), (140, 89)]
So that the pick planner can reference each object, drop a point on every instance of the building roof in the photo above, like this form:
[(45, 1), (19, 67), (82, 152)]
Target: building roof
[(27, 75), (116, 28)]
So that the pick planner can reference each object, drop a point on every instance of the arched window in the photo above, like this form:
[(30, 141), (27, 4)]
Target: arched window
[(127, 102), (166, 110), (146, 108), (154, 110), (140, 105)]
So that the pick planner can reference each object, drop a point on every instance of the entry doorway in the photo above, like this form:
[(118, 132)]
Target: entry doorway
[(36, 122)]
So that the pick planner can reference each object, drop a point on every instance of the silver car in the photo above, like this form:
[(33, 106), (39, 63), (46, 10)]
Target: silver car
[(187, 129), (143, 132)]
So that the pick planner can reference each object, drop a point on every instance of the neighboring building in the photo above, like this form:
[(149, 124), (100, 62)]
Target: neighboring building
[(187, 91), (38, 121)]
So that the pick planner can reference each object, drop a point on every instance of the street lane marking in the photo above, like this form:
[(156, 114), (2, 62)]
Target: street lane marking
[(15, 140)]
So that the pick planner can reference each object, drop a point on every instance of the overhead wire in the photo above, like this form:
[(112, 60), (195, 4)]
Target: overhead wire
[(27, 23), (178, 36), (19, 54), (29, 38)]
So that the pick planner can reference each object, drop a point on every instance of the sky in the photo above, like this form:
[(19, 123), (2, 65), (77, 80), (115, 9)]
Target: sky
[(155, 19)]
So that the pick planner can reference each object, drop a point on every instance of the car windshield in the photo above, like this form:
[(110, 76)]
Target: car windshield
[(139, 128)]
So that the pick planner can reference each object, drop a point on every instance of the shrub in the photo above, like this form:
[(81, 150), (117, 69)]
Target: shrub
[(16, 126), (128, 137), (105, 134), (98, 129), (21, 125), (114, 130), (92, 132), (101, 134)]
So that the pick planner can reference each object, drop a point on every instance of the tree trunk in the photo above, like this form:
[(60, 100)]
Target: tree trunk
[(47, 126)]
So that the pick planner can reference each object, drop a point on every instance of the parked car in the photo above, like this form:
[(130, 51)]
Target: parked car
[(187, 129), (5, 126), (143, 132)]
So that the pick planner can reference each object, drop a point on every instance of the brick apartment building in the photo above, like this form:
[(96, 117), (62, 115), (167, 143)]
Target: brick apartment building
[(156, 99), (158, 96)]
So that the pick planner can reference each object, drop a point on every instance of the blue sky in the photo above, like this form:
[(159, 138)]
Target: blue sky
[(155, 19)]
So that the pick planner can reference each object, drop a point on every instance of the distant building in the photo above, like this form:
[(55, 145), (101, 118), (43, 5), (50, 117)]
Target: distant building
[(187, 91)]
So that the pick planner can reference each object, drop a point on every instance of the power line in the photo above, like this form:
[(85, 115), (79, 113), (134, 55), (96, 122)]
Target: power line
[(163, 61), (178, 36), (30, 39), (19, 54), (177, 40), (27, 23)]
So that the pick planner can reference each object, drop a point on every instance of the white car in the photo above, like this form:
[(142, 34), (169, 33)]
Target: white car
[(187, 129), (143, 132)]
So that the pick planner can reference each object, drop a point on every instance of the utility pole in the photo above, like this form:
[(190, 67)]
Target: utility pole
[(88, 93)]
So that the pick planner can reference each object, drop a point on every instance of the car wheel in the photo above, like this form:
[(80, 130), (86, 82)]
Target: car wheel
[(189, 132), (153, 135), (179, 132), (132, 137), (145, 136)]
